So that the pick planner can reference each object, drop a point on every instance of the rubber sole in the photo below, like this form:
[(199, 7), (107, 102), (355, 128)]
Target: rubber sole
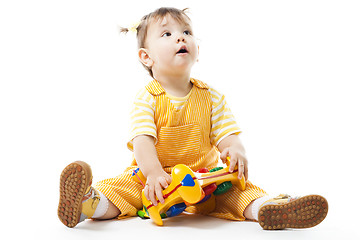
[(304, 212), (74, 180)]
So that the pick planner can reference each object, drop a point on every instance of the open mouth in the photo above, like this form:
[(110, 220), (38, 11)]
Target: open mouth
[(182, 50)]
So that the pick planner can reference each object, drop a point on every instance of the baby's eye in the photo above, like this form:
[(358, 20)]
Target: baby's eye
[(167, 34), (187, 32)]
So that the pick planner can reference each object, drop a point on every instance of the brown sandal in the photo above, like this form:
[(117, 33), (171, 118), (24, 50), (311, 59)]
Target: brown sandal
[(75, 182), (304, 212)]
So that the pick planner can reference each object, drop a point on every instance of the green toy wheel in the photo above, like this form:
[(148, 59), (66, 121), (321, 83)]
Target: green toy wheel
[(216, 169), (142, 214), (223, 188)]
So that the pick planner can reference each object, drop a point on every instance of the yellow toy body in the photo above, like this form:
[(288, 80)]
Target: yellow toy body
[(187, 188)]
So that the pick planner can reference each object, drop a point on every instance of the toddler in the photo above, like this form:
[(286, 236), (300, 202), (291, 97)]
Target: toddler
[(178, 119)]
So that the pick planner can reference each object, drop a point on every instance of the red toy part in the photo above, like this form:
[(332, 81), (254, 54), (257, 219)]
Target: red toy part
[(203, 170), (209, 189)]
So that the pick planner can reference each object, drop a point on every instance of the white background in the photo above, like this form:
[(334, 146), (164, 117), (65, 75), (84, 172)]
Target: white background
[(289, 70)]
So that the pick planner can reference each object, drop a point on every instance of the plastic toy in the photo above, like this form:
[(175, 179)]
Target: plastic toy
[(188, 188)]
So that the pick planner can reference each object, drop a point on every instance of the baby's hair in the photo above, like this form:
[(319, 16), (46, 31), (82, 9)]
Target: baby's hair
[(158, 14)]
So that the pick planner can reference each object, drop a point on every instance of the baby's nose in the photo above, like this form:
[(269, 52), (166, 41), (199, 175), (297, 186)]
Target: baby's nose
[(181, 39)]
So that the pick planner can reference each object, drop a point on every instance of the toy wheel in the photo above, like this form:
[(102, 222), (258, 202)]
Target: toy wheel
[(216, 169), (209, 189), (142, 214), (207, 197), (175, 210), (222, 188), (203, 170)]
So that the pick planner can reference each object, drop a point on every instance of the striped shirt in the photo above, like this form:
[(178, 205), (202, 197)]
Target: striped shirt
[(223, 122)]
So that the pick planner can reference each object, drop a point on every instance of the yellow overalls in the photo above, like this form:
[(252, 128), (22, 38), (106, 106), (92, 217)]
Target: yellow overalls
[(183, 137)]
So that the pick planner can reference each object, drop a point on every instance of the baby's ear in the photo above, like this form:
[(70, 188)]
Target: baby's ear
[(145, 58)]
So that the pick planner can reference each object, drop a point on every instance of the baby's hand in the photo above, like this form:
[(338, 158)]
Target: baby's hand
[(237, 157), (155, 183)]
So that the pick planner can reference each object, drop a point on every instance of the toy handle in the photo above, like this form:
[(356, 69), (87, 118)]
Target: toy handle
[(242, 182)]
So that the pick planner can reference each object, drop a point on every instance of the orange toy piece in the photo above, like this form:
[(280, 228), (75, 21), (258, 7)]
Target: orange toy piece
[(187, 188)]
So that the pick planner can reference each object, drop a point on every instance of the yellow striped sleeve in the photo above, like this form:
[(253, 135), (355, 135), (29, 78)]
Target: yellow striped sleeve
[(223, 122), (142, 117)]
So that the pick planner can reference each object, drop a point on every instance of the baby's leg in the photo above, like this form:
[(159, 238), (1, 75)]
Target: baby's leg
[(248, 211), (233, 204), (78, 199), (112, 212), (251, 210)]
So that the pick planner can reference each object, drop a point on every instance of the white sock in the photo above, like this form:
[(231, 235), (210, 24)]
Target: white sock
[(102, 207), (256, 206)]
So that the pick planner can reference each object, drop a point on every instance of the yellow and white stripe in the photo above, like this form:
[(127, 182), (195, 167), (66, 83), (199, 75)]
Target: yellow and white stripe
[(142, 116), (223, 122), (178, 102)]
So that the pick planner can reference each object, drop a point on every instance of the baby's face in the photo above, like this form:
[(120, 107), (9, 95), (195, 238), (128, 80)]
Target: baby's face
[(171, 46)]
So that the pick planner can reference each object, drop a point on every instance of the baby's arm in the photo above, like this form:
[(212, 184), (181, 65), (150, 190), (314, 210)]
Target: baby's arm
[(231, 146), (148, 162)]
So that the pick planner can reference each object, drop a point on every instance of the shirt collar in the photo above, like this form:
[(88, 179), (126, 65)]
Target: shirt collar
[(155, 88)]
